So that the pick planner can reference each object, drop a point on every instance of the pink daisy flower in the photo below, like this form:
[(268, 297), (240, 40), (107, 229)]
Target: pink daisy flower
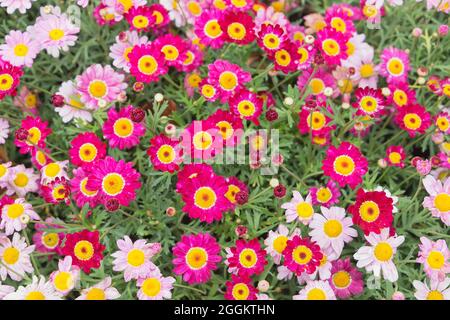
[(114, 179), (173, 48), (302, 255), (316, 81), (204, 198), (120, 50), (100, 83), (100, 291), (54, 33), (165, 153), (208, 91), (369, 102), (401, 95), (160, 13), (315, 121), (38, 131), (239, 5), (208, 29), (27, 100), (332, 45), (266, 16), (246, 105), (305, 55), (201, 140), (238, 27), (345, 280), (436, 290), (271, 37), (15, 258), (434, 255), (191, 172), (246, 258), (155, 286), (413, 119), (339, 21), (12, 5), (195, 257), (9, 79), (230, 126), (227, 78), (79, 191), (194, 58), (326, 195), (147, 63), (46, 238), (276, 242), (66, 277), (73, 108), (395, 156), (438, 201), (394, 65), (86, 148), (442, 121), (21, 180), (286, 58), (140, 18), (133, 258), (299, 208), (19, 49), (240, 288), (120, 131), (345, 164)]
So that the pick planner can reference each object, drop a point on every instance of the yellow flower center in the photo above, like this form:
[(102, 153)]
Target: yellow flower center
[(63, 281), (225, 129), (282, 57), (6, 82), (239, 3), (366, 70), (280, 243), (344, 165), (86, 191), (368, 104), (236, 31), (11, 255), (34, 135), (126, 53), (151, 287), (332, 228), (271, 41), (208, 91), (370, 11), (442, 202), (35, 295), (240, 291), (331, 47), (140, 22), (341, 279), (98, 89), (231, 193), (369, 211), (304, 210), (442, 123), (56, 34), (205, 198), (302, 254), (123, 127), (383, 251), (400, 97), (412, 121), (395, 66), (14, 210), (21, 50), (202, 140), (395, 157), (435, 295), (136, 257), (96, 294), (87, 152), (194, 80), (3, 170), (147, 65), (50, 240), (246, 108), (303, 55), (113, 184), (171, 53), (30, 100), (248, 258), (21, 180), (316, 120), (316, 294), (159, 18), (127, 4), (436, 260), (338, 24), (194, 8), (52, 169), (196, 258), (83, 250), (323, 195), (166, 154), (317, 86), (228, 80), (212, 29)]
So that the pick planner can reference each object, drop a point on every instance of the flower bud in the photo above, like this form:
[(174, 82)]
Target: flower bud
[(263, 285)]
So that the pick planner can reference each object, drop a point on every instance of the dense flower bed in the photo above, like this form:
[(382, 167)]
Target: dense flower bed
[(224, 149)]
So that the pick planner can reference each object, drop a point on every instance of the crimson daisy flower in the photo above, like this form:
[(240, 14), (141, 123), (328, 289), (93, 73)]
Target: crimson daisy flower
[(195, 257), (86, 148), (345, 164), (9, 78), (246, 258), (372, 211), (84, 248), (237, 27), (302, 255), (401, 95), (165, 153), (315, 121), (234, 187), (240, 288), (333, 45), (395, 155), (114, 179), (37, 130), (173, 48), (201, 140), (271, 37), (413, 118), (141, 18), (285, 58), (239, 5), (204, 198), (369, 102), (120, 131), (193, 171), (230, 126), (56, 191), (246, 105), (160, 14), (147, 63), (208, 29), (80, 193)]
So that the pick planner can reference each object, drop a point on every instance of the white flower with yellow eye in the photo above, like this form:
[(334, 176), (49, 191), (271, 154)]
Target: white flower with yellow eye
[(15, 258), (299, 208), (38, 289), (54, 170), (316, 290), (13, 216), (21, 180)]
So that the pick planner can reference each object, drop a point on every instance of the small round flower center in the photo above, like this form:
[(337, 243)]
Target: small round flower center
[(324, 195), (240, 291), (205, 198), (317, 86), (113, 184), (52, 170), (282, 57), (341, 279), (331, 47), (196, 258), (366, 70), (332, 228), (140, 22), (316, 120), (6, 82), (316, 294), (98, 89), (63, 281), (280, 243), (271, 41), (15, 210), (302, 254), (228, 80), (96, 294), (412, 121), (35, 295), (395, 67), (56, 34), (21, 50), (87, 152), (436, 260), (202, 140), (383, 251), (83, 250), (442, 202), (248, 258), (50, 240), (304, 210), (147, 65), (166, 154), (236, 31), (212, 29), (171, 53), (369, 211), (344, 165), (21, 180), (151, 287), (136, 257), (123, 127), (435, 295), (11, 255), (395, 157)]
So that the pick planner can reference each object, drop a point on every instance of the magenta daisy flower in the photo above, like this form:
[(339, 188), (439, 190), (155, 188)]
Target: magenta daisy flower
[(369, 102), (326, 195), (305, 55), (147, 63), (401, 95), (114, 179), (230, 126), (227, 78), (195, 257), (86, 148), (201, 140), (315, 120), (100, 83), (413, 119), (238, 27), (234, 187), (9, 78), (246, 105), (208, 91), (19, 49), (345, 280), (271, 37), (434, 255), (302, 255), (194, 58), (339, 21), (173, 48), (122, 47), (140, 18), (204, 198), (193, 171), (285, 58), (395, 156), (442, 121), (394, 65), (165, 153), (333, 45), (317, 81), (161, 15), (246, 258), (240, 288), (79, 191), (38, 131), (120, 131), (345, 164), (56, 191), (208, 29), (133, 258)]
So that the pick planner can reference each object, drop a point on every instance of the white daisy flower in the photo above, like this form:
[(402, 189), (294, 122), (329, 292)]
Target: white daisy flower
[(39, 289), (316, 290), (377, 258), (100, 291), (332, 229), (66, 277), (54, 170), (437, 290), (277, 240), (175, 11), (16, 215), (15, 258), (73, 108), (299, 208), (21, 180), (4, 174)]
